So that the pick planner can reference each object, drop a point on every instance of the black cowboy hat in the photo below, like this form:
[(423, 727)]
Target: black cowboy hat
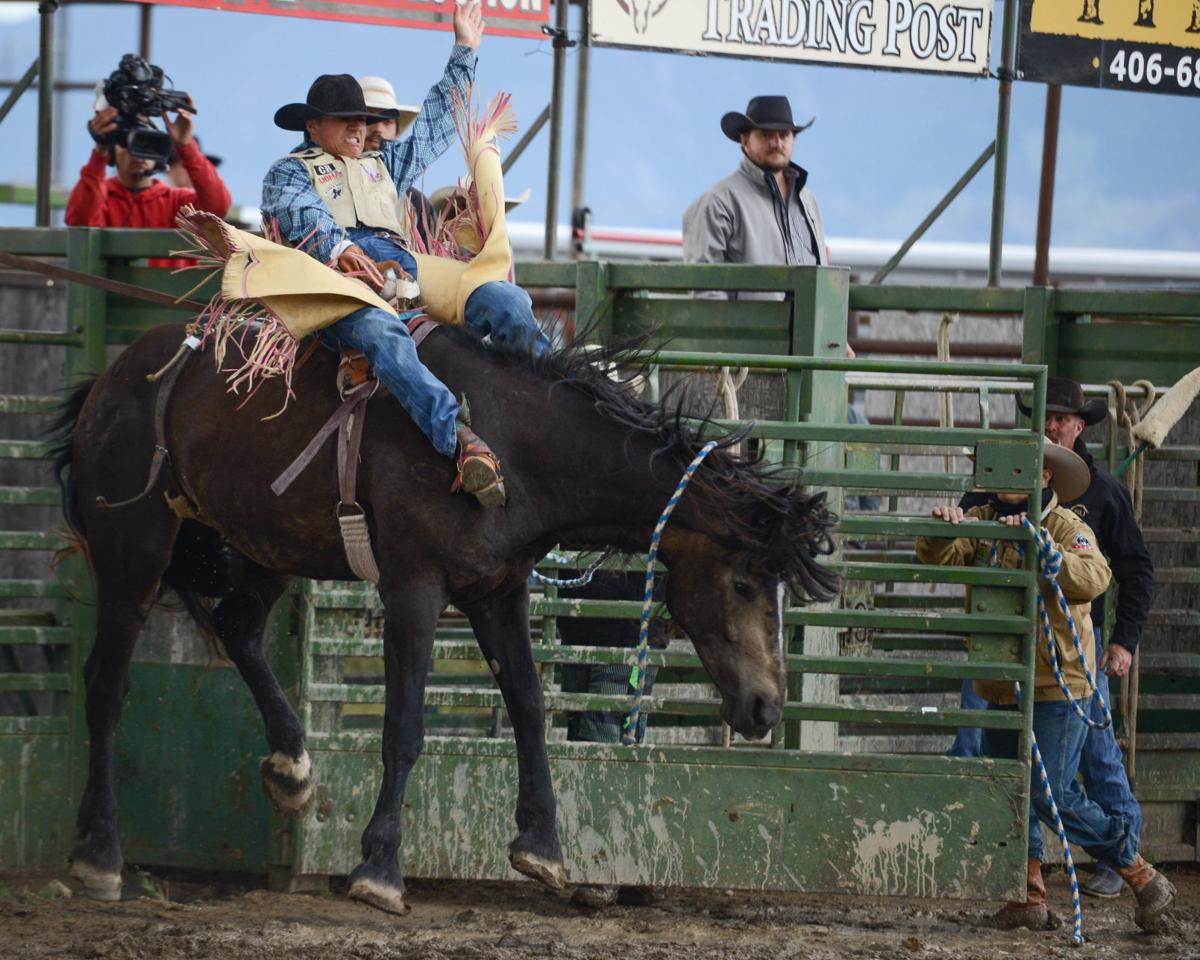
[(331, 95), (762, 113), (1064, 395)]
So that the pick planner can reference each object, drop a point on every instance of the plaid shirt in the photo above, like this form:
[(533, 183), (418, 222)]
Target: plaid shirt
[(290, 198)]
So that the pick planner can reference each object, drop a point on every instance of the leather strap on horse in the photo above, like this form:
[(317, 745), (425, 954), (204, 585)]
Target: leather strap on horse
[(100, 283), (161, 400)]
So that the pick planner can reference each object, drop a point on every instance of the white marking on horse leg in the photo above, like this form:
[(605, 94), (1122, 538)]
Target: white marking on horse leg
[(97, 884), (285, 766), (378, 895)]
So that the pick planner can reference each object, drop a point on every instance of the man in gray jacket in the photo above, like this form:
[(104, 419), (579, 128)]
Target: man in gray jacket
[(763, 212)]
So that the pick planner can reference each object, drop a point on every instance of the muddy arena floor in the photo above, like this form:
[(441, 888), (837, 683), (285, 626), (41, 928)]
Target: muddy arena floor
[(181, 915)]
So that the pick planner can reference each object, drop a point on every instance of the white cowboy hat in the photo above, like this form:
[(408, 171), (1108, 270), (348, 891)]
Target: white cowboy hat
[(442, 195), (381, 98), (1069, 475)]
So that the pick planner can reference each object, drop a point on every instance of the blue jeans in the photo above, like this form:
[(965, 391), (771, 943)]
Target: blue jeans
[(1060, 736), (968, 740), (385, 340), (497, 309), (1102, 763)]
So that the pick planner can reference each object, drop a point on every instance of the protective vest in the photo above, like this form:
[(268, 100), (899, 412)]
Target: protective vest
[(358, 192)]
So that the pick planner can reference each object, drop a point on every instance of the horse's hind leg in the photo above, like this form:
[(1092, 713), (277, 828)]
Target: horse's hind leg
[(240, 618), (501, 625), (128, 567)]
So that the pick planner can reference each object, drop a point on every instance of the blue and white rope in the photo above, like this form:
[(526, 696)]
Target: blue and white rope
[(580, 581), (1076, 907), (1050, 562), (637, 676)]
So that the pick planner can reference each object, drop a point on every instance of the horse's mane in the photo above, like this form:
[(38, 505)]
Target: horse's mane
[(781, 530)]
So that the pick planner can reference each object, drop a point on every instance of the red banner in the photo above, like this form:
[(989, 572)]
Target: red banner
[(513, 18)]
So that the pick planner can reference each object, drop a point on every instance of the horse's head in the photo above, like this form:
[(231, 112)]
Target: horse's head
[(729, 593)]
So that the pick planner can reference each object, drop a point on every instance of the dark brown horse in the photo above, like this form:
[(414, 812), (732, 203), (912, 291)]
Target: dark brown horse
[(586, 464)]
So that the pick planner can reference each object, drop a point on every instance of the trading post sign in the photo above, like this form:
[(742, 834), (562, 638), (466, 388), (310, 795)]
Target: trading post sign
[(1147, 45), (515, 18), (942, 36)]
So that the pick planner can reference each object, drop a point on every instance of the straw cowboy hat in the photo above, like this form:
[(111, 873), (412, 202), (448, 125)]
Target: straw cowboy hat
[(1064, 395), (331, 95), (762, 113), (381, 98), (1070, 476)]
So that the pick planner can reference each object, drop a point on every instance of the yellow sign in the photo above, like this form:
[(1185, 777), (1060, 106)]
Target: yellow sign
[(1173, 23)]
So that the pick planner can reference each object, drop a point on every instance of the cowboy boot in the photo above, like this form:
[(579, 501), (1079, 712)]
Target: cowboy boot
[(1031, 913), (478, 469), (1154, 893)]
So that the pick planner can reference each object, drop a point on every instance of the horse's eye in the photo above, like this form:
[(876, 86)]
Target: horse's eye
[(742, 589)]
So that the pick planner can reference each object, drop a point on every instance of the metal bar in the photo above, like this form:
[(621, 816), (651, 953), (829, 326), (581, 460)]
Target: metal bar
[(764, 361), (144, 31), (1041, 260), (41, 337), (18, 88), (579, 150), (561, 12), (45, 136), (936, 212), (1003, 112), (526, 138)]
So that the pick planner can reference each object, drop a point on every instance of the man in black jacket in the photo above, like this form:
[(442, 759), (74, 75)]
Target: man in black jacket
[(1107, 508)]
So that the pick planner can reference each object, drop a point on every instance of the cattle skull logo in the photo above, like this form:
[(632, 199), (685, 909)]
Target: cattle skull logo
[(642, 11)]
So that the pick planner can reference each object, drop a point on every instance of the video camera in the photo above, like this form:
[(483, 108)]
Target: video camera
[(135, 89)]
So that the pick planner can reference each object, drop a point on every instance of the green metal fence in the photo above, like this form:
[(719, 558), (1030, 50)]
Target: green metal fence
[(794, 814)]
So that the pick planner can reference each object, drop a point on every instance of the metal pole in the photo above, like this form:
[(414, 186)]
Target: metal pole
[(144, 31), (935, 213), (1041, 261), (1006, 73), (579, 151), (561, 11), (526, 139), (18, 88), (45, 138)]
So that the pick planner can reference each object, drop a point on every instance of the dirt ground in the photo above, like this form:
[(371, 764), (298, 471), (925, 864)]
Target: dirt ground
[(182, 915)]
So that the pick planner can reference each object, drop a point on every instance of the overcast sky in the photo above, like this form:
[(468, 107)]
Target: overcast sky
[(884, 149)]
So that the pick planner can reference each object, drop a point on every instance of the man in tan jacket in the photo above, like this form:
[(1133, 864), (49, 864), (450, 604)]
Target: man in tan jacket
[(1083, 575)]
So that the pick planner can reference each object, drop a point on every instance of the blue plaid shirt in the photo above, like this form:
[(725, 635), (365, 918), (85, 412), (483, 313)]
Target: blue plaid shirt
[(290, 198)]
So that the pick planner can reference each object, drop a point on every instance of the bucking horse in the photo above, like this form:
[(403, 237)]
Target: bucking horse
[(588, 464)]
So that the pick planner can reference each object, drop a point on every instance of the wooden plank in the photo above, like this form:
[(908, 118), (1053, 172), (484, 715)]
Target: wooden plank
[(34, 681)]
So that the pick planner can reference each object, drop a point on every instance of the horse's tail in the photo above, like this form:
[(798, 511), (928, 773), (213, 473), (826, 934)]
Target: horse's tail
[(61, 452)]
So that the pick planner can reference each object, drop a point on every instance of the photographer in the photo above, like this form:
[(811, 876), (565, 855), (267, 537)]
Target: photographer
[(133, 198)]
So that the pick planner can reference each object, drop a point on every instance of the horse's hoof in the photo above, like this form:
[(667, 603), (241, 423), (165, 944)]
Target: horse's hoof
[(552, 873), (381, 896), (98, 884), (287, 783)]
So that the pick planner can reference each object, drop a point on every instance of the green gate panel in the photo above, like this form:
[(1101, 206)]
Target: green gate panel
[(188, 788), (690, 817), (35, 816)]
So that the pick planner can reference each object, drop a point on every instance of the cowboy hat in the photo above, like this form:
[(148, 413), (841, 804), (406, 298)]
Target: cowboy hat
[(331, 95), (762, 113), (441, 196), (1070, 476), (381, 98), (1064, 395)]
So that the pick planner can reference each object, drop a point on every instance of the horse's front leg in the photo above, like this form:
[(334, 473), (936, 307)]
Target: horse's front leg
[(411, 611), (501, 625)]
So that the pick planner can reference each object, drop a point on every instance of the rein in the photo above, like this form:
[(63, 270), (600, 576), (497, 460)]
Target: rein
[(637, 677)]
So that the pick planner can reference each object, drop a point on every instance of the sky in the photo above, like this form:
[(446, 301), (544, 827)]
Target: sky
[(885, 148)]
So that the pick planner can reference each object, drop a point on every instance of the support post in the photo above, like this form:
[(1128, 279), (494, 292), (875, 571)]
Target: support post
[(1006, 72), (144, 31), (19, 88), (559, 37), (1041, 261), (45, 129), (820, 308), (526, 138), (579, 151)]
